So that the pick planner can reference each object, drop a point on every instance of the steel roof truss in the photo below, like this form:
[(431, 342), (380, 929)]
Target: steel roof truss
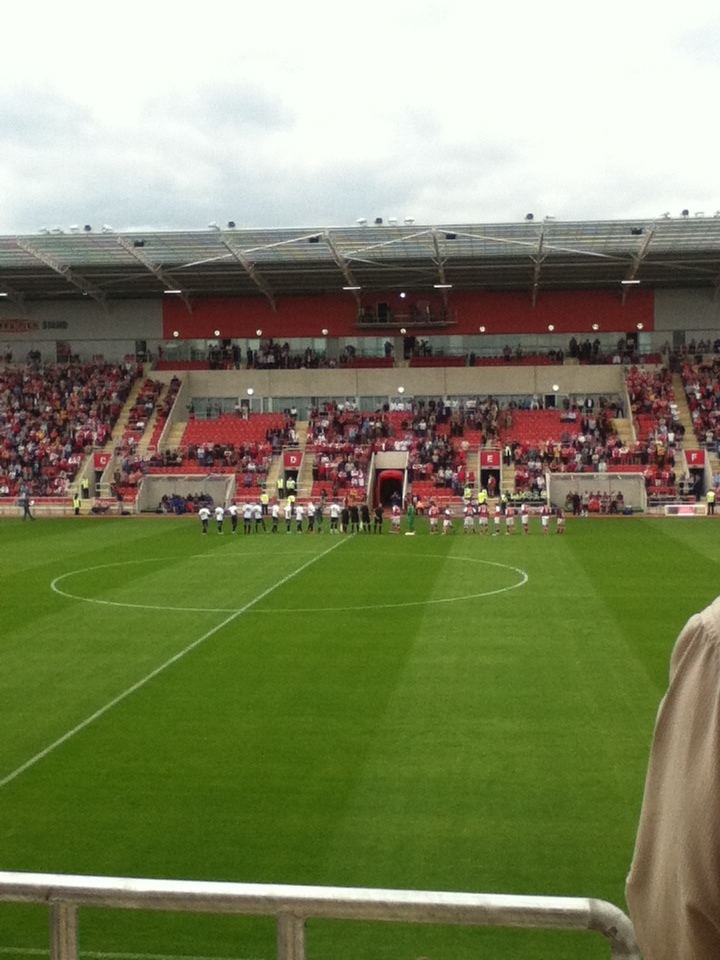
[(249, 267), (168, 282), (64, 270)]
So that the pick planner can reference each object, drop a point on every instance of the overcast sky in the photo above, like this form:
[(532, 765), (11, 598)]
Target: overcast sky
[(173, 114)]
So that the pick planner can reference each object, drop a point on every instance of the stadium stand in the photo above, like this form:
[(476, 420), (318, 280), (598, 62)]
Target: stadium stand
[(50, 416)]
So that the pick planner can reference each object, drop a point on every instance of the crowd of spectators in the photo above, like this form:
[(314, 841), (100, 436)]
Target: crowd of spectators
[(702, 386), (178, 503), (50, 415)]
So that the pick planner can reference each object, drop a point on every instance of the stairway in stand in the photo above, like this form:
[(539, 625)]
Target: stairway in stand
[(305, 477), (143, 447), (683, 410), (685, 418), (122, 421), (174, 436), (625, 431)]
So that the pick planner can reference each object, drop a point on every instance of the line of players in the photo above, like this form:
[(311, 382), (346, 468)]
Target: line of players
[(356, 518), (502, 514)]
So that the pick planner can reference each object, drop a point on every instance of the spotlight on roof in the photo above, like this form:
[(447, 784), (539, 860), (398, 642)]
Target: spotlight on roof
[(106, 228), (231, 224), (699, 213), (213, 225), (409, 220), (529, 216), (392, 220), (378, 221), (57, 230), (47, 230), (74, 228), (87, 228), (361, 221), (684, 213)]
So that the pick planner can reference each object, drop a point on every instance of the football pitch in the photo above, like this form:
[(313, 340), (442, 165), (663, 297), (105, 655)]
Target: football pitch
[(441, 713)]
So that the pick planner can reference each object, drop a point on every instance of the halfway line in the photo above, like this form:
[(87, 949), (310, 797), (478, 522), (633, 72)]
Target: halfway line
[(163, 666)]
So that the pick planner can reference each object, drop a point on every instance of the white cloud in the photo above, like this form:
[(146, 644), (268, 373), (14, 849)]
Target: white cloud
[(175, 113)]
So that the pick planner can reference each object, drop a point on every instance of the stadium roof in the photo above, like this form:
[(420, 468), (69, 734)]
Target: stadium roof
[(527, 256)]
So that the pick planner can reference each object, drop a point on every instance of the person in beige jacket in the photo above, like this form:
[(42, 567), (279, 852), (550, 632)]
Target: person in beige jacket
[(673, 889)]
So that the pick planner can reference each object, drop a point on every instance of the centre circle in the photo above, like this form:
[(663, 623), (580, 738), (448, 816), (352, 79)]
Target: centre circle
[(520, 579)]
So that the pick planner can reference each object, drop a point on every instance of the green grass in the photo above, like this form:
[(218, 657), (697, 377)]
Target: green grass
[(493, 744)]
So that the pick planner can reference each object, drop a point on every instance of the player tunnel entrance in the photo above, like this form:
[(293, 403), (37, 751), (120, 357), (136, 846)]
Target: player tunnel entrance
[(388, 483)]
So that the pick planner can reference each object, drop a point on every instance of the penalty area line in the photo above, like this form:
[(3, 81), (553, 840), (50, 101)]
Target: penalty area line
[(160, 669)]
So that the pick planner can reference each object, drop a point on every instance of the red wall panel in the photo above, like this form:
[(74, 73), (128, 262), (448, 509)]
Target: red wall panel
[(501, 313)]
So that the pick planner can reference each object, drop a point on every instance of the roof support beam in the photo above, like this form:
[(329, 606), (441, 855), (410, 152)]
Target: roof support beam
[(343, 264), (538, 260), (249, 267), (638, 258), (440, 264), (64, 270), (168, 282)]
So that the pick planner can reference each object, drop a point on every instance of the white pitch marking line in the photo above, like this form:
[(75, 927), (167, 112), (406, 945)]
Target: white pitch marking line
[(163, 666), (101, 955)]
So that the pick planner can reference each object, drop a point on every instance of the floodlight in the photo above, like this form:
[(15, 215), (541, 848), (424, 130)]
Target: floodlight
[(361, 221)]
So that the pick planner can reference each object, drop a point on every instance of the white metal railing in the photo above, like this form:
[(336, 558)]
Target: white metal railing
[(293, 905)]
